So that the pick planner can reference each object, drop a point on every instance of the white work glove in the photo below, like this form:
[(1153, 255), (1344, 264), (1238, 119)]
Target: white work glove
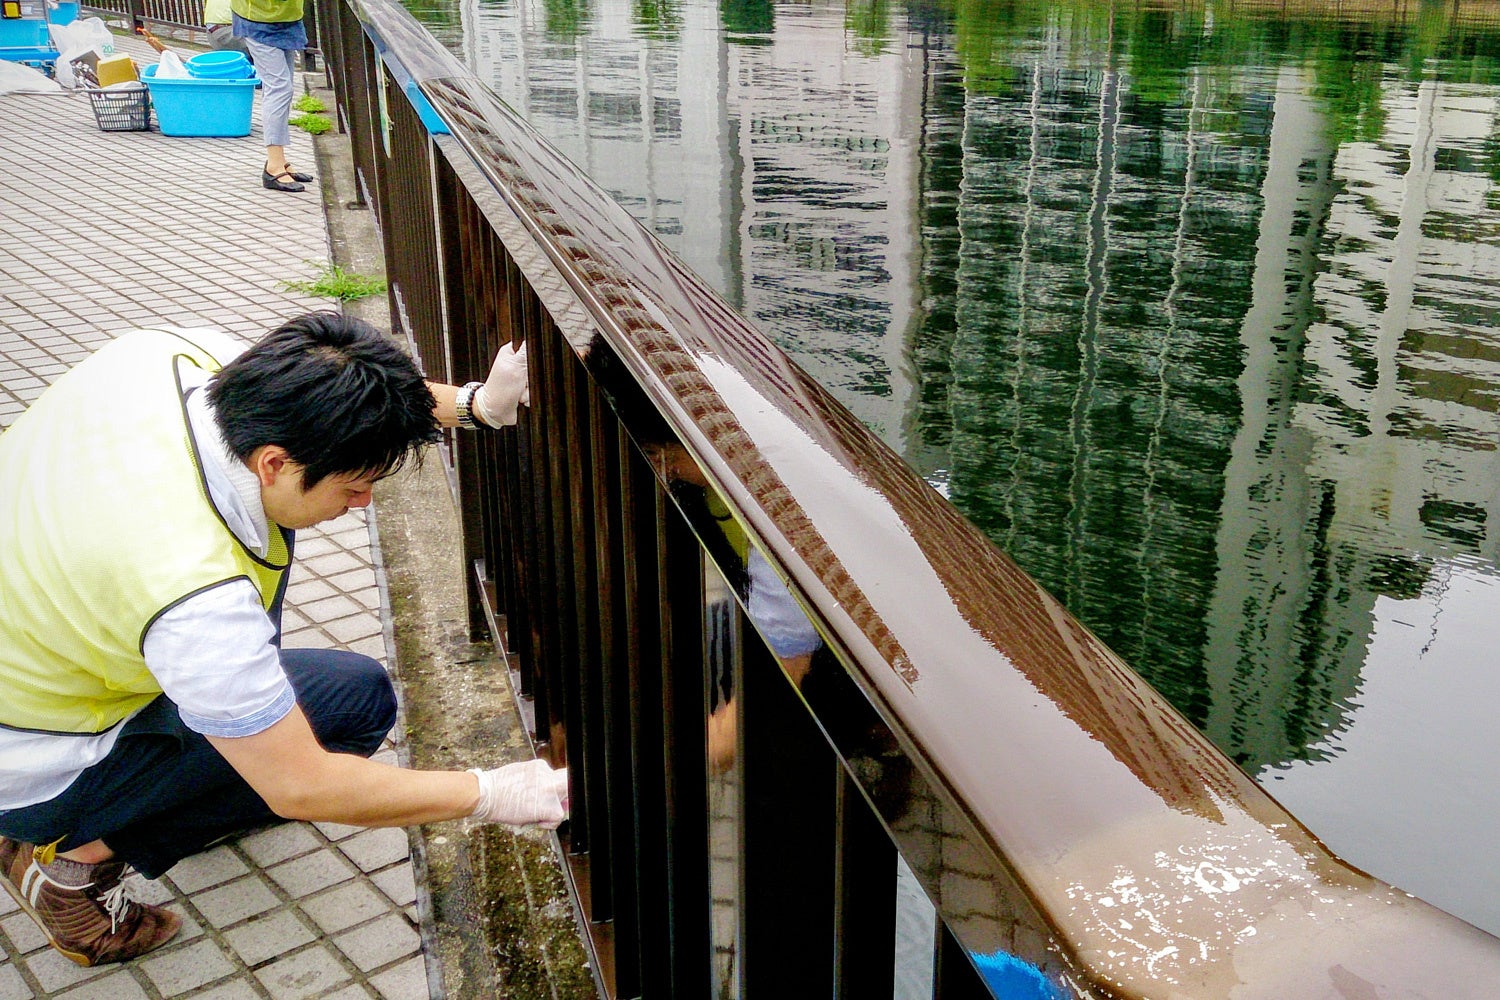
[(495, 401), (522, 794)]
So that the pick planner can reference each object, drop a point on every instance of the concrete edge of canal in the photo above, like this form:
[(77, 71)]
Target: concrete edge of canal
[(495, 916)]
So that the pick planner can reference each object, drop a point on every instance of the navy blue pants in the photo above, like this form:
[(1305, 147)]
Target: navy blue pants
[(164, 793)]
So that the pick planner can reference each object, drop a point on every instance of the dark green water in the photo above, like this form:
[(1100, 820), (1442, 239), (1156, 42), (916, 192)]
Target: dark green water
[(1195, 311)]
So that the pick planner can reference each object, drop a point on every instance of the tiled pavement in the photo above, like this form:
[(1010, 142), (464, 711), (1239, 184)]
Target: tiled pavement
[(100, 233)]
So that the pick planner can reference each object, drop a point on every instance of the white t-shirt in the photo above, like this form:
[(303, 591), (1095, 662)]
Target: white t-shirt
[(212, 654)]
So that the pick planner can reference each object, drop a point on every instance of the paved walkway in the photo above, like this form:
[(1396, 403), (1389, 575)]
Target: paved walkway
[(100, 233)]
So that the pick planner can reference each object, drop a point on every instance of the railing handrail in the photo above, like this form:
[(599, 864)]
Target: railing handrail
[(1159, 867)]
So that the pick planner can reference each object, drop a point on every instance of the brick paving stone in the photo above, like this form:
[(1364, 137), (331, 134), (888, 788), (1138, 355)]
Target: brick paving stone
[(235, 989), (330, 608), (337, 831), (345, 906), (397, 883), (118, 985), (306, 875), (369, 597), (334, 562), (379, 942), (292, 620), (373, 647), (55, 973), (407, 981), (307, 591), (317, 545), (190, 928), (23, 932), (354, 628), (212, 867), (353, 580), (234, 902), (183, 969), (263, 938), (351, 992), (12, 986), (278, 843), (304, 974), (375, 849), (8, 903), (149, 890)]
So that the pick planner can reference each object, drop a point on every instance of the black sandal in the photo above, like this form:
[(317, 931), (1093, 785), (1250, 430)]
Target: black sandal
[(275, 183), (297, 175)]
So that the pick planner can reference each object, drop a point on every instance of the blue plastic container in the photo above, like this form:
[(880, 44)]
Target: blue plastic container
[(66, 13), (25, 40), (25, 33), (194, 107), (224, 64)]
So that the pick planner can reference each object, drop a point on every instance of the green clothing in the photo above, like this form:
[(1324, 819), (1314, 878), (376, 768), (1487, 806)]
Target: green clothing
[(268, 11)]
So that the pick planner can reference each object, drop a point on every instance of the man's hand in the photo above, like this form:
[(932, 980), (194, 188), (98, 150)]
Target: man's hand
[(495, 402), (523, 794)]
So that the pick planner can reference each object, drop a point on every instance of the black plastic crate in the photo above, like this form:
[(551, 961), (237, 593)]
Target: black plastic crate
[(123, 110)]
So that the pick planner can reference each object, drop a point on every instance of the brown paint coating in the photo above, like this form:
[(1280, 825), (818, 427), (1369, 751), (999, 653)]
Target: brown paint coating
[(1158, 866)]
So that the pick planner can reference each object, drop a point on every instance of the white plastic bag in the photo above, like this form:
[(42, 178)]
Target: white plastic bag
[(73, 40), (18, 79), (170, 67)]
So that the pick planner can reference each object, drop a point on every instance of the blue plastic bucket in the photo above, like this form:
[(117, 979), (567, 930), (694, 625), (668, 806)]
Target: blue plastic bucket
[(223, 64), (201, 107)]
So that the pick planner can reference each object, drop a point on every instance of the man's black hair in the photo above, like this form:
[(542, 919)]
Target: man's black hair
[(336, 393)]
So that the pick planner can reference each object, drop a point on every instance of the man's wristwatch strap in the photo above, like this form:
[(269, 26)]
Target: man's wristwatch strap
[(463, 405)]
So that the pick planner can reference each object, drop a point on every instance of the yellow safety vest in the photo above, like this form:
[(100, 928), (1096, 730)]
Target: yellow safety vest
[(268, 11), (106, 523)]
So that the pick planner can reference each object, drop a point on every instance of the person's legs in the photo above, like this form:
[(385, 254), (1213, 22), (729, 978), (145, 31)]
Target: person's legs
[(164, 793), (275, 67)]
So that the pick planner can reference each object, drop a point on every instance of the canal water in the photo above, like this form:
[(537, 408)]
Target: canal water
[(1194, 309)]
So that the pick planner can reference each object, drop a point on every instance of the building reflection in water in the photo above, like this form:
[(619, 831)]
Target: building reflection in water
[(1197, 317)]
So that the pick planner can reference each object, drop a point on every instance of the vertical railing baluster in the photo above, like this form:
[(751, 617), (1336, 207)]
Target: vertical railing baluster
[(791, 782), (580, 654), (864, 947), (644, 641), (521, 475), (613, 523), (470, 297), (594, 519), (680, 568), (496, 527), (546, 480)]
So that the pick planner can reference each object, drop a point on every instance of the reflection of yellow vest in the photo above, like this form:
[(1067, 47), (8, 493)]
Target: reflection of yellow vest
[(105, 523)]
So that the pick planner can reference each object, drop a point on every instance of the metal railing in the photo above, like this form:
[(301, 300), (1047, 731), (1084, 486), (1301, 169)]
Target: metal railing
[(185, 15), (680, 491)]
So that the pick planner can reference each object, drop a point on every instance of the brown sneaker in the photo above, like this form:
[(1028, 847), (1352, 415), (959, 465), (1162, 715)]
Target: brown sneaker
[(89, 924)]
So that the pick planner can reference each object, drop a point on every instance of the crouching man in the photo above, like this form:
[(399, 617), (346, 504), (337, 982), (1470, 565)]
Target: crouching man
[(148, 505)]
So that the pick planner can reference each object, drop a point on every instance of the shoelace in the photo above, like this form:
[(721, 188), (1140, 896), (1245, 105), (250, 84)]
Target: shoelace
[(116, 902)]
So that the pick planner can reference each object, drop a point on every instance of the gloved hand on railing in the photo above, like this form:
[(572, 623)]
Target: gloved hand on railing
[(495, 402), (522, 795)]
